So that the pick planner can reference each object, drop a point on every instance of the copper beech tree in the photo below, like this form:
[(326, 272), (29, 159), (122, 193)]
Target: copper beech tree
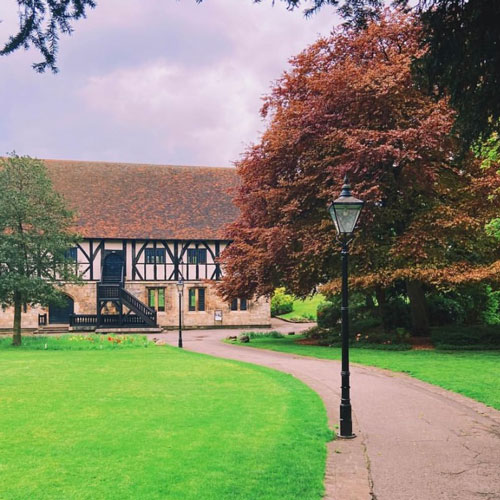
[(349, 105)]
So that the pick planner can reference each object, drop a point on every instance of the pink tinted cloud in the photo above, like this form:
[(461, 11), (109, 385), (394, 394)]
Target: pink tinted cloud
[(155, 81)]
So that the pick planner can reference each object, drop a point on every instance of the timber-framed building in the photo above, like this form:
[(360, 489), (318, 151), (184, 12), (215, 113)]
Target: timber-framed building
[(144, 228)]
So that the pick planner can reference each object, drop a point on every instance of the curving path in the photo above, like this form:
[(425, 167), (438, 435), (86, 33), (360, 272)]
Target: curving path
[(415, 441)]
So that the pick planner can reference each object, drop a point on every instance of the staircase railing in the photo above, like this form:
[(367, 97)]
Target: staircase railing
[(108, 291), (114, 290), (137, 306)]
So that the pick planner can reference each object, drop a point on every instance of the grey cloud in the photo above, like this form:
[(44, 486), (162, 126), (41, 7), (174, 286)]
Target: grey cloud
[(159, 82)]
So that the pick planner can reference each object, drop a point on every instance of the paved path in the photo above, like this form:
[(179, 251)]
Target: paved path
[(415, 441)]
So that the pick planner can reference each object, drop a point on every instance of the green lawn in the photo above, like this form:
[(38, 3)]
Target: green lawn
[(305, 308), (154, 423), (475, 374)]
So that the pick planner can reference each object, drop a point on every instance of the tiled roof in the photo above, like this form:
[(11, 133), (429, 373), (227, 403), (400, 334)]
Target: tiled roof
[(123, 200)]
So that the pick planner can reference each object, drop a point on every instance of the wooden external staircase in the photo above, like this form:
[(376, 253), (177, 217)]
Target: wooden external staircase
[(129, 312)]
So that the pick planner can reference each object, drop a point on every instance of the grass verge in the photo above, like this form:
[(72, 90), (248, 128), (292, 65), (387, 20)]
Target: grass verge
[(155, 423), (78, 342), (305, 308), (474, 374)]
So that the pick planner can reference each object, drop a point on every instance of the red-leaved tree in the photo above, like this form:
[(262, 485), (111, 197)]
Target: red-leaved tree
[(349, 105)]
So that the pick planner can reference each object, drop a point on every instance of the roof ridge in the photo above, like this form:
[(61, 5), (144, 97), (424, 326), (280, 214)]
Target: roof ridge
[(91, 162)]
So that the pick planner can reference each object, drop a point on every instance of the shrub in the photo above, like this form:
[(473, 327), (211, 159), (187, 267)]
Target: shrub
[(300, 319), (396, 313), (466, 337), (470, 305), (364, 325), (480, 304), (258, 335), (281, 302), (445, 310), (327, 314), (318, 333), (491, 312), (364, 333)]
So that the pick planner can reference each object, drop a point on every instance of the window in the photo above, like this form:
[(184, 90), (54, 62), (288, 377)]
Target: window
[(71, 254), (242, 303), (155, 255), (197, 256), (156, 298), (196, 299)]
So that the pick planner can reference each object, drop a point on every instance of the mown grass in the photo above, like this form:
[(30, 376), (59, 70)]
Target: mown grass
[(474, 374), (305, 308), (155, 423)]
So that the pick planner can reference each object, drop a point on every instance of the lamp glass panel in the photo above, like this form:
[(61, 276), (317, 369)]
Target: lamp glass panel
[(346, 216)]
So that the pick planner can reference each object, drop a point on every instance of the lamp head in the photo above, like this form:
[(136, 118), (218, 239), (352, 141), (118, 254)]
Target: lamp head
[(345, 210)]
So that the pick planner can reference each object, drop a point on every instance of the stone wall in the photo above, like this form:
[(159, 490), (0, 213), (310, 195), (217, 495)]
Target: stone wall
[(84, 296), (258, 312)]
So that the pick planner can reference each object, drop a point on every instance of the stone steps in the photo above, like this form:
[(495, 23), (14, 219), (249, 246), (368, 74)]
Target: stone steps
[(52, 329)]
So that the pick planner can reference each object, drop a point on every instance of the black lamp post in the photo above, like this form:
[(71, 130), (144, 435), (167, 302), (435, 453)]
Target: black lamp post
[(345, 212), (180, 290)]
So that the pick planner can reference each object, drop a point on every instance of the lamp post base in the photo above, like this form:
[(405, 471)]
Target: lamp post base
[(352, 436)]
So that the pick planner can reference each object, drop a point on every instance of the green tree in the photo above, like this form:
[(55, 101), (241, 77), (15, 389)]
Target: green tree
[(40, 24), (489, 152), (35, 235)]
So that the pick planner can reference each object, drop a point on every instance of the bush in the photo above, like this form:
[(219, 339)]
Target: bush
[(466, 337), (470, 305), (396, 313), (301, 319), (318, 333), (259, 335), (327, 314), (364, 325), (491, 312), (358, 308), (364, 333), (281, 302), (445, 310), (480, 304)]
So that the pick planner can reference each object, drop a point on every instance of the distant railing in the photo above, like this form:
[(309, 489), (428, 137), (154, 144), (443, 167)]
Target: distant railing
[(83, 320), (90, 320)]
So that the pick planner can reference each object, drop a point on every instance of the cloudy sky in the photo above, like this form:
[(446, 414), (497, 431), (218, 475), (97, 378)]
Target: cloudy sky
[(152, 81)]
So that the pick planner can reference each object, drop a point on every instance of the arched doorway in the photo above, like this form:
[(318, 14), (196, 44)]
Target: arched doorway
[(112, 269), (60, 313)]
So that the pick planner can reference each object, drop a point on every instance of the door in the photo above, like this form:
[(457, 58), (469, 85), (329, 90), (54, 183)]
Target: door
[(60, 314), (113, 267)]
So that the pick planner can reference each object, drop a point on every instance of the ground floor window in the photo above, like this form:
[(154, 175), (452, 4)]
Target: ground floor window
[(241, 302), (196, 299), (156, 298)]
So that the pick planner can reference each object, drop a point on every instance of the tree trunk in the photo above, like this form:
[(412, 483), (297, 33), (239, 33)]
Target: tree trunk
[(382, 306), (370, 304), (418, 308), (16, 337)]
